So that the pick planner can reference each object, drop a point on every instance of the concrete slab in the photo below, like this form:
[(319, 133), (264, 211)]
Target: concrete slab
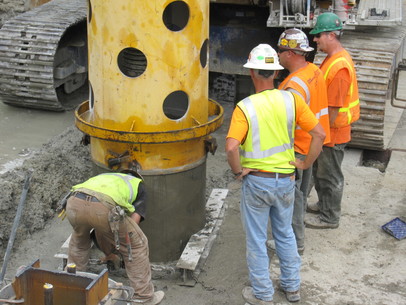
[(398, 140)]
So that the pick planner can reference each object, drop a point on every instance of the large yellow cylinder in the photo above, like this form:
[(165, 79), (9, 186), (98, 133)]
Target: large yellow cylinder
[(148, 75)]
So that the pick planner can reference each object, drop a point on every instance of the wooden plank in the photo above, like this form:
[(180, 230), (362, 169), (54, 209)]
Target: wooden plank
[(63, 253), (197, 243)]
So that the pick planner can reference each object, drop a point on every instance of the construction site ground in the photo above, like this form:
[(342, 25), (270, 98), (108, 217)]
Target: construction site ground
[(358, 263)]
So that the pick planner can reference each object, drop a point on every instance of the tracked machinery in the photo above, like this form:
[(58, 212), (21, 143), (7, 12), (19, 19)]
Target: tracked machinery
[(43, 52), (373, 35), (43, 57), (375, 38)]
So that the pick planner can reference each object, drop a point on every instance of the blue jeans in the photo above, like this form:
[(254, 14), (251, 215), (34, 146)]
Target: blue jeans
[(263, 199)]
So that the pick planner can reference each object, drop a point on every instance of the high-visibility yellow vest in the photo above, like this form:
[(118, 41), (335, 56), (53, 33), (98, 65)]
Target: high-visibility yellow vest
[(350, 112), (269, 142), (122, 188)]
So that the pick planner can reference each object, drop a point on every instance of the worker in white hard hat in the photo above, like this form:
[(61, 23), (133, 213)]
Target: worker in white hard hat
[(262, 129), (306, 80)]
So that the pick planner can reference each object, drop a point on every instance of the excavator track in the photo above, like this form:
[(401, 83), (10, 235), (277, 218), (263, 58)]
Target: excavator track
[(375, 53), (43, 57)]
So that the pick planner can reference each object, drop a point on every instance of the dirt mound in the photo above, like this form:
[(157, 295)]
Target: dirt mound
[(59, 164)]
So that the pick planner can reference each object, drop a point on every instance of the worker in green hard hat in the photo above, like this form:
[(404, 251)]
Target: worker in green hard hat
[(343, 109), (327, 22)]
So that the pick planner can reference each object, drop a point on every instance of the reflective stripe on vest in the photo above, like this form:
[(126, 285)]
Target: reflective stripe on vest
[(322, 112), (257, 153), (304, 86), (126, 179), (351, 104), (318, 115), (121, 188)]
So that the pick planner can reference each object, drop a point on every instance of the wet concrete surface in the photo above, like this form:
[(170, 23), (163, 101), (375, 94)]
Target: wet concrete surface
[(24, 130)]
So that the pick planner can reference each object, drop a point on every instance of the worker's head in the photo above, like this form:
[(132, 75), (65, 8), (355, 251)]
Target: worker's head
[(264, 60), (327, 22), (132, 169), (294, 40), (327, 32)]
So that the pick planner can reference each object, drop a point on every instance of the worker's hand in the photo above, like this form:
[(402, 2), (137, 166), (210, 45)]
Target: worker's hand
[(300, 164), (136, 217), (245, 171)]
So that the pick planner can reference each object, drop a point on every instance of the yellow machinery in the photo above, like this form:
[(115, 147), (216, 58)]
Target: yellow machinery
[(44, 61), (148, 80)]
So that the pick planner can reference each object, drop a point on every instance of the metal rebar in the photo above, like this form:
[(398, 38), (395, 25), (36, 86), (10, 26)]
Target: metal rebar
[(48, 294), (15, 226)]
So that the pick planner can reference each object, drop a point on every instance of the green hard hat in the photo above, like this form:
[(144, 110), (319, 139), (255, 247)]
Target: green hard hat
[(327, 22)]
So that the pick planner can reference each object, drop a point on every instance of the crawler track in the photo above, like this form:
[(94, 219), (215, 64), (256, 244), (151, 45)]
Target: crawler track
[(376, 52), (43, 57)]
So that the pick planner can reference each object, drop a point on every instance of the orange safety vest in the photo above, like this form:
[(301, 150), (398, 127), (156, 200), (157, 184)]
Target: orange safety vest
[(350, 111), (308, 83)]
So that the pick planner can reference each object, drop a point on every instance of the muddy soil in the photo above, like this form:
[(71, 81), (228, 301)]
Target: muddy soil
[(53, 169)]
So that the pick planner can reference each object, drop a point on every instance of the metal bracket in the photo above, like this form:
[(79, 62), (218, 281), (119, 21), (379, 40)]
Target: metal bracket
[(210, 144), (187, 278), (119, 158), (394, 94)]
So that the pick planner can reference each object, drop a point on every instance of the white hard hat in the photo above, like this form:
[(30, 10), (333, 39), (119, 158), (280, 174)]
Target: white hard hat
[(263, 57), (295, 40)]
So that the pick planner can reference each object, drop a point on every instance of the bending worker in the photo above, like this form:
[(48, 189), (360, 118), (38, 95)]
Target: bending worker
[(262, 127), (344, 109), (113, 204), (306, 80)]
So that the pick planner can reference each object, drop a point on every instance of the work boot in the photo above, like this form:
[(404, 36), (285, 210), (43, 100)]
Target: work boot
[(292, 296), (156, 299), (270, 245), (313, 208), (250, 298), (316, 223)]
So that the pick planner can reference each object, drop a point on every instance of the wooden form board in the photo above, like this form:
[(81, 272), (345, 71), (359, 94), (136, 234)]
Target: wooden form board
[(197, 243)]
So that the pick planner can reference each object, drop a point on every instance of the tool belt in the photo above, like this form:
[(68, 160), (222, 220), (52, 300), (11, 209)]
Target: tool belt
[(271, 175), (116, 216), (85, 196)]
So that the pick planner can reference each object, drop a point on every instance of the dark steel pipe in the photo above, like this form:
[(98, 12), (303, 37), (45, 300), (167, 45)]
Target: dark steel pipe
[(48, 294), (71, 268), (15, 226)]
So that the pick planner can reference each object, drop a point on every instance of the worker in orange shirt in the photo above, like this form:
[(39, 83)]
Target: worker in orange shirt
[(260, 152), (344, 109), (306, 80)]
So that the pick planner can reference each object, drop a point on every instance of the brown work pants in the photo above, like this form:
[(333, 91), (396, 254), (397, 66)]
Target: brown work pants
[(84, 215)]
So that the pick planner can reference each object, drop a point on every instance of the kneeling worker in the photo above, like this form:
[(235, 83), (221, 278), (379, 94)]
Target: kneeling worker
[(113, 204)]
